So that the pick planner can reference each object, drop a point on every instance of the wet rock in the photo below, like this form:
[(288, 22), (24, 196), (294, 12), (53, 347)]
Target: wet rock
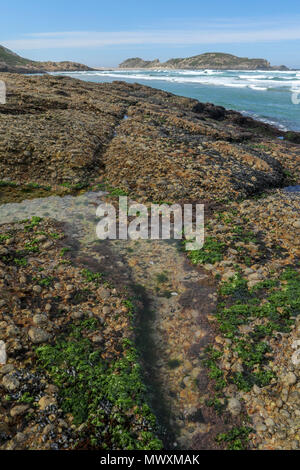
[(48, 245), (46, 401), (228, 275), (237, 367), (269, 422), (37, 289), (103, 293), (256, 390), (4, 431), (106, 310), (41, 238), (18, 410), (289, 379), (260, 427), (20, 437), (255, 277), (51, 389), (6, 369), (296, 358), (40, 319), (12, 330), (3, 355), (98, 339), (295, 445), (48, 429), (234, 406), (37, 335), (296, 344), (77, 315), (296, 224), (10, 382)]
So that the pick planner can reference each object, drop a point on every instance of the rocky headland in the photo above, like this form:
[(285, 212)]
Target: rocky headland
[(223, 320), (209, 60), (13, 63)]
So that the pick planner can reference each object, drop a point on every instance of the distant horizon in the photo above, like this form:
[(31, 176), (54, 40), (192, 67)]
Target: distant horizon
[(155, 58), (104, 35), (146, 58)]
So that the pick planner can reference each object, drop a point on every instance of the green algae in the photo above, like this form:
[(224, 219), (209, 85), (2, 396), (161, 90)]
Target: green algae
[(108, 397)]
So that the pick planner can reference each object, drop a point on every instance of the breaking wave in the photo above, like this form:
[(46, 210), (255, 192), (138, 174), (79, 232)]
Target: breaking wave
[(256, 80)]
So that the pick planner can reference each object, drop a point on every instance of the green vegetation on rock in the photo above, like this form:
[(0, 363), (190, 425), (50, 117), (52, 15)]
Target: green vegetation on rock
[(209, 60), (108, 398), (274, 304), (236, 439)]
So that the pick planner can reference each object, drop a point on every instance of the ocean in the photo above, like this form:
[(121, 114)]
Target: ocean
[(271, 96)]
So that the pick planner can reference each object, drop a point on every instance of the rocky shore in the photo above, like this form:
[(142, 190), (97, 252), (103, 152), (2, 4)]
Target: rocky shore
[(60, 130), (224, 319), (253, 249), (71, 378)]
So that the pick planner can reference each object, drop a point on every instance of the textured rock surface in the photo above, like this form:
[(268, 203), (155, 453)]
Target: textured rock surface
[(155, 146), (31, 405), (270, 223), (56, 130), (3, 355)]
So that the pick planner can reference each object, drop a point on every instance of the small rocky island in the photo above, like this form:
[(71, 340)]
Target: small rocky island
[(209, 60), (132, 345)]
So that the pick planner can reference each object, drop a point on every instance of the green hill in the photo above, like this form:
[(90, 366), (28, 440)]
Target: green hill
[(12, 62), (210, 60), (12, 59)]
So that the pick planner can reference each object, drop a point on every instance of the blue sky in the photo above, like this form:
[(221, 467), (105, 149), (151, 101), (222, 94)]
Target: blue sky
[(103, 33)]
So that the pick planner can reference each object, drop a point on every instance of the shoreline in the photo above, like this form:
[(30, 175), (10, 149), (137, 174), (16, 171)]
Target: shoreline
[(230, 379), (196, 70), (219, 94)]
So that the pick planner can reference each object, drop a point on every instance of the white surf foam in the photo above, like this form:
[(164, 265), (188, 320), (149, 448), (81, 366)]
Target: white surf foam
[(258, 80)]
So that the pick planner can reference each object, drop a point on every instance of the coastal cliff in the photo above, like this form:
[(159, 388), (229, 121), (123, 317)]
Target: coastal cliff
[(214, 60)]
